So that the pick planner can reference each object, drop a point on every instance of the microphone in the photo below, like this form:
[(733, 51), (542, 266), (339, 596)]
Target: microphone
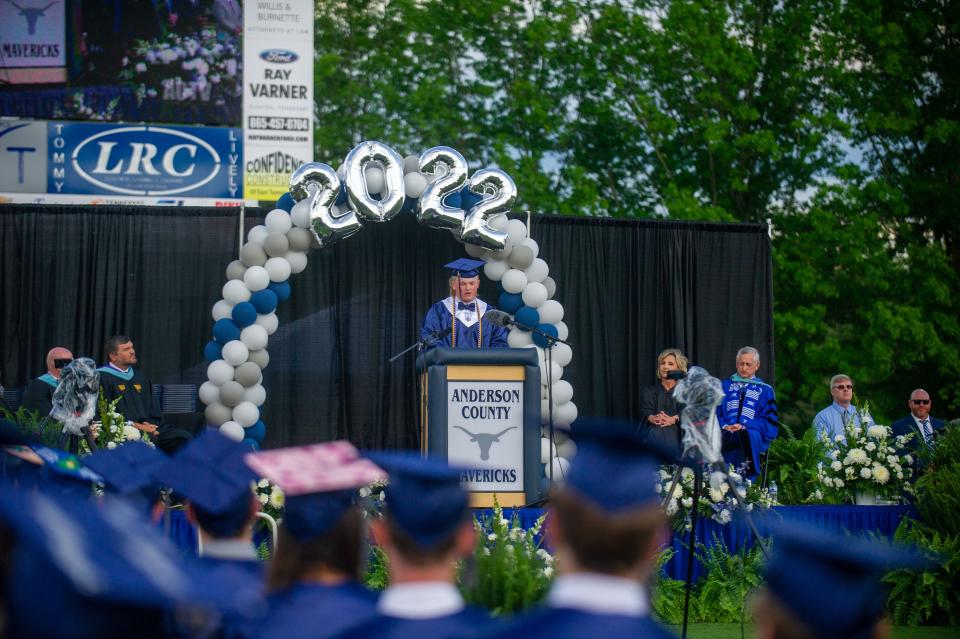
[(498, 318)]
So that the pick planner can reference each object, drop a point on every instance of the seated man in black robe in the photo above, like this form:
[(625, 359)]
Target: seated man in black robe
[(38, 396), (118, 378)]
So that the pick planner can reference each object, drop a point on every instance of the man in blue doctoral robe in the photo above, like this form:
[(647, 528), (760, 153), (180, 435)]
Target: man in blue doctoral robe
[(748, 413), (459, 318)]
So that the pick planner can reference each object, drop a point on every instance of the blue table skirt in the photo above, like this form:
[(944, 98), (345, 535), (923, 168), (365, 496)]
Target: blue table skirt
[(857, 520)]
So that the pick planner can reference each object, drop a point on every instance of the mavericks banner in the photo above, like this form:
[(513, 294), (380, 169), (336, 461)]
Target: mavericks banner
[(277, 94)]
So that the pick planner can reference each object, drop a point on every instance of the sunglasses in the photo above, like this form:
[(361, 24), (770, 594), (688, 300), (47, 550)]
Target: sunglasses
[(844, 386), (920, 402)]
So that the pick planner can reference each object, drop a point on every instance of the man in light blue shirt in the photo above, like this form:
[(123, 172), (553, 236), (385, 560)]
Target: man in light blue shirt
[(832, 419)]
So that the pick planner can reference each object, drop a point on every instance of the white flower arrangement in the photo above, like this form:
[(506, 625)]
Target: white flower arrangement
[(271, 498), (866, 459), (717, 500)]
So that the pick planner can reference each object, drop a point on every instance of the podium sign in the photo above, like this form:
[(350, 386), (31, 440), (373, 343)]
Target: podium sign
[(484, 417)]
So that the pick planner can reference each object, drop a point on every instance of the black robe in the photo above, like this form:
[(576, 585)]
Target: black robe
[(139, 405), (38, 396)]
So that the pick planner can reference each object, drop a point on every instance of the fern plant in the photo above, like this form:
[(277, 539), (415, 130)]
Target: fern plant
[(728, 578), (31, 422), (792, 464), (932, 595), (668, 594)]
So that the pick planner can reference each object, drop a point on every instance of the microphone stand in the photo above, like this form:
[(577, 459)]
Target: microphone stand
[(427, 341)]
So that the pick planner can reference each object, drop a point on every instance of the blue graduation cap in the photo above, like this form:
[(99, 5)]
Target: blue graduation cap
[(11, 434), (464, 267), (831, 582), (210, 472), (64, 473), (128, 468), (424, 497), (614, 468)]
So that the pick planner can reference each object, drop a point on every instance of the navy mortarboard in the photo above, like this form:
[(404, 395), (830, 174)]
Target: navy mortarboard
[(128, 471), (829, 585), (64, 473), (315, 572), (464, 267)]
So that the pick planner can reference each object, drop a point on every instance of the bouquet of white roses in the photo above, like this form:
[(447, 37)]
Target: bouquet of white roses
[(717, 499), (866, 460)]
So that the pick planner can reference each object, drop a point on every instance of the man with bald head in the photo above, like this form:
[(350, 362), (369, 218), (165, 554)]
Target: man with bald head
[(38, 395), (925, 428)]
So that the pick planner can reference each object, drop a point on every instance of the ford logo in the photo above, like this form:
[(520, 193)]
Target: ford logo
[(146, 160), (279, 56)]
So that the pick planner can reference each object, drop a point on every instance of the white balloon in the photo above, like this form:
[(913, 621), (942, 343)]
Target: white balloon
[(562, 331), (505, 252), (521, 256), (562, 354), (517, 231), (565, 414), (246, 414), (256, 278), (374, 177), (257, 234), (560, 436), (270, 322), (514, 281), (300, 213), (278, 221), (256, 395), (498, 222), (216, 413), (476, 251), (532, 244), (235, 291), (278, 268), (537, 271), (546, 451), (411, 164), (208, 393), (551, 287), (551, 312), (297, 260), (568, 449), (560, 468), (518, 339), (261, 358), (219, 372), (556, 370), (494, 270), (233, 430), (254, 337), (235, 353), (544, 410), (414, 184), (534, 294), (223, 310), (562, 392), (235, 270)]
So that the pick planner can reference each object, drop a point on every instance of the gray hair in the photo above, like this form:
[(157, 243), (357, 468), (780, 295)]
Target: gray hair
[(749, 350), (839, 378)]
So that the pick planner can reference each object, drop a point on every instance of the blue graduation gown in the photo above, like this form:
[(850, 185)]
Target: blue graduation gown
[(438, 319), (468, 623), (317, 611), (758, 415), (248, 575), (562, 623)]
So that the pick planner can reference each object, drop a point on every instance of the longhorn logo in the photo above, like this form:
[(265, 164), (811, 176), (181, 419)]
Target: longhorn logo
[(484, 440), (32, 14)]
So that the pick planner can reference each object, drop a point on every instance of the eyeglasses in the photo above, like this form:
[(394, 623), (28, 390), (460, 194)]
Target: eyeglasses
[(844, 386), (920, 402)]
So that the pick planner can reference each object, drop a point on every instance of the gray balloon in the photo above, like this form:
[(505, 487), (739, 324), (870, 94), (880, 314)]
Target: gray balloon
[(253, 255), (231, 394), (411, 164), (299, 239), (248, 374), (235, 270), (276, 245), (261, 358), (551, 287), (217, 413)]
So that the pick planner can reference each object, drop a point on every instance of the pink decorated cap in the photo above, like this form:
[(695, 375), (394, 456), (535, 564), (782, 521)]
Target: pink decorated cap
[(317, 468)]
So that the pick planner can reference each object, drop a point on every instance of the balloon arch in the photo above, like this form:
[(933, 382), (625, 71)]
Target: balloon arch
[(375, 184)]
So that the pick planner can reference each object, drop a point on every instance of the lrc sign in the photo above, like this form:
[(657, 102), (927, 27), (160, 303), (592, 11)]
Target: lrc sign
[(144, 160)]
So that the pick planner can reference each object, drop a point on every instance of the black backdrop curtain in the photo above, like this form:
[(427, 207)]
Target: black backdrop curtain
[(72, 276)]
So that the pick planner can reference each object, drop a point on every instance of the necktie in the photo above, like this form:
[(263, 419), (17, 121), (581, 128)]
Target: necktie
[(925, 430), (472, 306)]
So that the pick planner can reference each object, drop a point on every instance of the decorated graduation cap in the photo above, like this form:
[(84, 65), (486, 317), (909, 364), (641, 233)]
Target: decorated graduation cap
[(64, 473), (424, 496), (831, 583), (319, 483), (211, 473), (615, 469), (464, 267)]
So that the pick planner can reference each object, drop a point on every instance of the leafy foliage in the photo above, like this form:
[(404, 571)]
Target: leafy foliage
[(729, 578), (31, 422), (938, 489), (792, 464), (930, 596), (377, 576)]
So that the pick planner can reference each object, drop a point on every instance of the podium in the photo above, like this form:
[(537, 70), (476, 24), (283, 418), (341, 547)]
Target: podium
[(480, 410)]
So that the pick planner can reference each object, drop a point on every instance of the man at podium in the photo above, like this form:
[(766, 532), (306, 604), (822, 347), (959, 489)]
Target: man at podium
[(457, 321)]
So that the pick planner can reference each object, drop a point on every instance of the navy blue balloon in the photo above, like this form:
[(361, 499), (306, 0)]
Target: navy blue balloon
[(500, 287), (212, 351), (264, 301), (527, 316), (453, 200), (341, 195), (256, 432), (511, 302), (469, 199), (225, 330), (540, 340), (252, 443), (285, 202), (244, 314), (281, 289)]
